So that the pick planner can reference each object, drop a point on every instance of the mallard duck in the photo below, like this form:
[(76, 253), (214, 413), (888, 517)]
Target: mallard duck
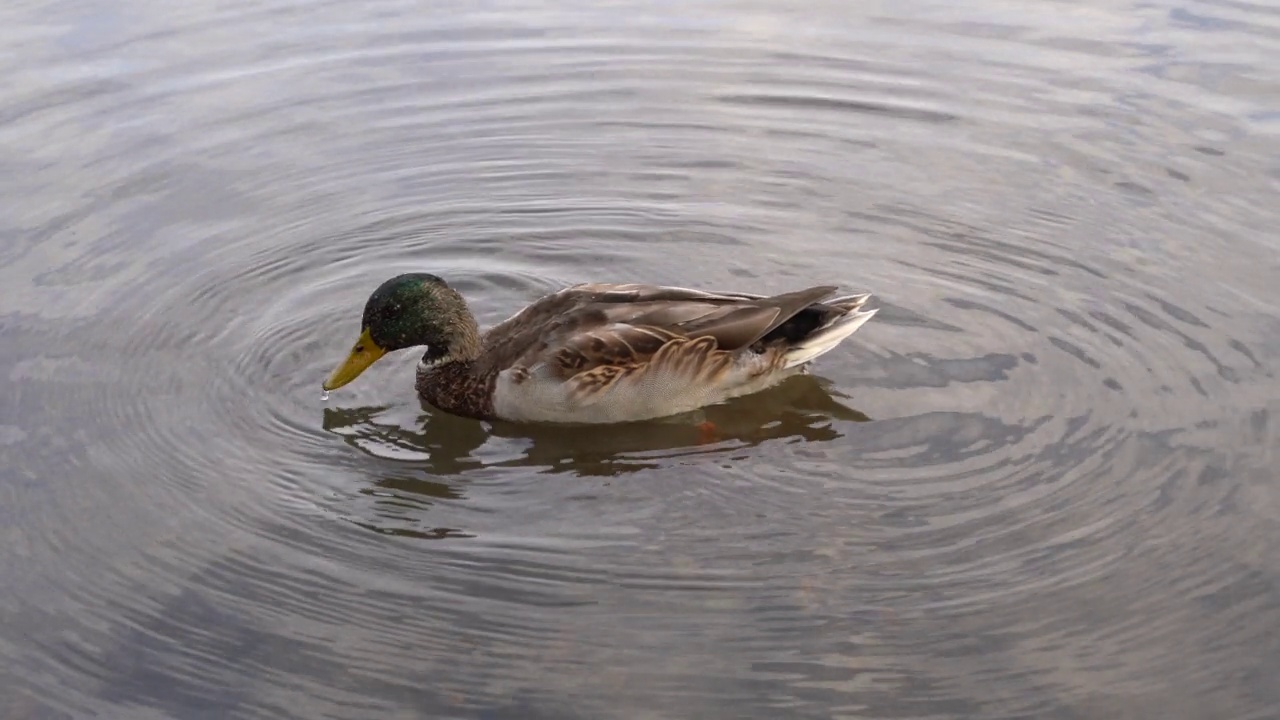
[(599, 353)]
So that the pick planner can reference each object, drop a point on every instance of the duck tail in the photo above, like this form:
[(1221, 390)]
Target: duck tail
[(833, 332)]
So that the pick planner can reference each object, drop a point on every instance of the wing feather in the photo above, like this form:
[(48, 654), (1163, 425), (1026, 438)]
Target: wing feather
[(599, 334)]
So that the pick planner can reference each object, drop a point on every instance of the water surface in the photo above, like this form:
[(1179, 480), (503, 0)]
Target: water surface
[(1040, 484)]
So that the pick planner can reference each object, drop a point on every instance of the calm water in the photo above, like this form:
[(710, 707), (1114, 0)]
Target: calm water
[(1040, 484)]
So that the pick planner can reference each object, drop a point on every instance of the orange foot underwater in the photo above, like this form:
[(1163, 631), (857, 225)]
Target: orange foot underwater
[(707, 433)]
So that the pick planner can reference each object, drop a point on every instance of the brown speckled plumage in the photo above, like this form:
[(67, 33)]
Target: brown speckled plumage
[(456, 388)]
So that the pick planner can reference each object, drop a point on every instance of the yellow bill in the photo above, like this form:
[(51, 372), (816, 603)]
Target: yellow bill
[(365, 353)]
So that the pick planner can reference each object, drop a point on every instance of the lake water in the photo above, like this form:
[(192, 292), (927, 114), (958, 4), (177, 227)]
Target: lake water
[(1041, 483)]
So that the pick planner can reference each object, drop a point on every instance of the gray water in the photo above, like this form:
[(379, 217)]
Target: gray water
[(1041, 483)]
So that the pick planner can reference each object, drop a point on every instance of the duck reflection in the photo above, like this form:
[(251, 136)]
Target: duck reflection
[(442, 445), (801, 408), (414, 461)]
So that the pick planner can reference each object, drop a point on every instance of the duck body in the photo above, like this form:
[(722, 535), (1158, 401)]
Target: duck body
[(608, 353)]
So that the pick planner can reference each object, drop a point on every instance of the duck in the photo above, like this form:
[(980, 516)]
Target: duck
[(596, 353)]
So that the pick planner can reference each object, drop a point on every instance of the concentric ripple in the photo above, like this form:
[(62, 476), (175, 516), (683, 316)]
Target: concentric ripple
[(1039, 484)]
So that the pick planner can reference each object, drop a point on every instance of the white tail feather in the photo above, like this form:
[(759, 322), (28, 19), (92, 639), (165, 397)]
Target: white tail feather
[(827, 338), (852, 301)]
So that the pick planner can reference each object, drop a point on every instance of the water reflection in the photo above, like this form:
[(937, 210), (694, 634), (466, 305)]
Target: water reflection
[(803, 408)]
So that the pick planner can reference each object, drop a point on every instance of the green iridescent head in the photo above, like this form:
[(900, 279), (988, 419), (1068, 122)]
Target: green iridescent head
[(408, 311)]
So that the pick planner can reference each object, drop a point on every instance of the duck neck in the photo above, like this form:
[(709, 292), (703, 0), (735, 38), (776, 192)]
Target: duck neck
[(465, 345), (453, 385)]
